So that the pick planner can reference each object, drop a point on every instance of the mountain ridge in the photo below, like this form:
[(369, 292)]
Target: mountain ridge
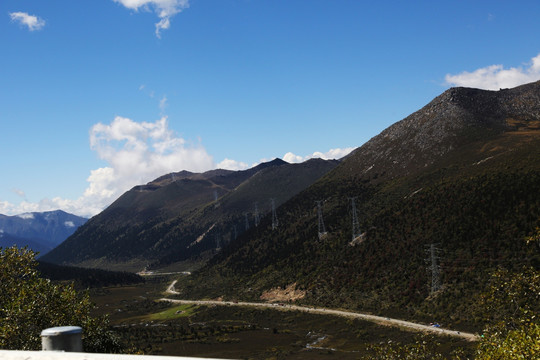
[(147, 222), (463, 171), (456, 116), (41, 231)]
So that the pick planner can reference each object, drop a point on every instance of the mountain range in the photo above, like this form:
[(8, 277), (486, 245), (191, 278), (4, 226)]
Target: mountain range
[(40, 231), (410, 224), (442, 199), (184, 215)]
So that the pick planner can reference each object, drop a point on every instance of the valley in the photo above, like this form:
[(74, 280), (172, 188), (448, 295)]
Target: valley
[(225, 329)]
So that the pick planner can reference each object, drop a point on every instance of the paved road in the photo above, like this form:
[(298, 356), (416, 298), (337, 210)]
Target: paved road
[(407, 325)]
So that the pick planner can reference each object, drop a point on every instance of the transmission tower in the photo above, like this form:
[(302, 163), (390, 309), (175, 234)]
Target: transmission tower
[(257, 218), (322, 229), (247, 221), (218, 241), (355, 223), (433, 258), (274, 216)]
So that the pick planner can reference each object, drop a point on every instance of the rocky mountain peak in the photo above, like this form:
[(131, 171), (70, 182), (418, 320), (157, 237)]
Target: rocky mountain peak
[(457, 116)]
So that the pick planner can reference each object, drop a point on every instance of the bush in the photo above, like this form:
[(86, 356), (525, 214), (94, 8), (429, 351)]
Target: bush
[(29, 304), (514, 303)]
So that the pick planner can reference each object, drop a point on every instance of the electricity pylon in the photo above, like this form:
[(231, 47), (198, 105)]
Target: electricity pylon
[(355, 223), (257, 218), (274, 215), (218, 241), (322, 229), (433, 251), (247, 221)]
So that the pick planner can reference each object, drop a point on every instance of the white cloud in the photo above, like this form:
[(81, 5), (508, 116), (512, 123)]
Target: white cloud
[(495, 77), (69, 224), (164, 9), (19, 192), (229, 164), (163, 104), (136, 153), (292, 158), (330, 154), (31, 21), (26, 216)]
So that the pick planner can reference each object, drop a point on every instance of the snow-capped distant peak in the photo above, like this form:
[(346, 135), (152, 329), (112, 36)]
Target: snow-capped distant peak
[(69, 224), (26, 216)]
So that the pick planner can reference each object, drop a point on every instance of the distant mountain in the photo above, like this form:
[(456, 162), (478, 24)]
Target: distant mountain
[(38, 245), (184, 215), (443, 198), (41, 231)]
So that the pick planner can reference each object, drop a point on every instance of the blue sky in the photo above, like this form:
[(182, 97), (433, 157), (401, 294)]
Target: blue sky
[(98, 96)]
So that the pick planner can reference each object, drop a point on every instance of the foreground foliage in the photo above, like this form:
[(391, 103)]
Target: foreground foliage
[(422, 349), (513, 304), (29, 304)]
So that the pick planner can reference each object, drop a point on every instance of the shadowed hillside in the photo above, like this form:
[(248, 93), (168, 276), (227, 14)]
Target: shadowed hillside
[(183, 215)]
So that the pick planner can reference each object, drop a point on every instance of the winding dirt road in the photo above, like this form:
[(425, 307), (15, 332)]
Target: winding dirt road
[(406, 325)]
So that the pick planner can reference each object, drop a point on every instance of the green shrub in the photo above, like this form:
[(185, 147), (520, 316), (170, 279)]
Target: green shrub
[(29, 304)]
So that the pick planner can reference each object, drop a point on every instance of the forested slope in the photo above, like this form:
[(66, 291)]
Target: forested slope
[(476, 201)]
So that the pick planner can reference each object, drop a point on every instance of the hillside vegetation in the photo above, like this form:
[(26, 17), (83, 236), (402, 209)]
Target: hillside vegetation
[(463, 173), (84, 278)]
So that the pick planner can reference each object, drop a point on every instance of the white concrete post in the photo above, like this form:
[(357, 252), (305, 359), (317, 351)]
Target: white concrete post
[(63, 338)]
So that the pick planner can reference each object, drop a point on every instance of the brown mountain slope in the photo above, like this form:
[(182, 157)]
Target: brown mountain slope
[(454, 118), (159, 222)]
